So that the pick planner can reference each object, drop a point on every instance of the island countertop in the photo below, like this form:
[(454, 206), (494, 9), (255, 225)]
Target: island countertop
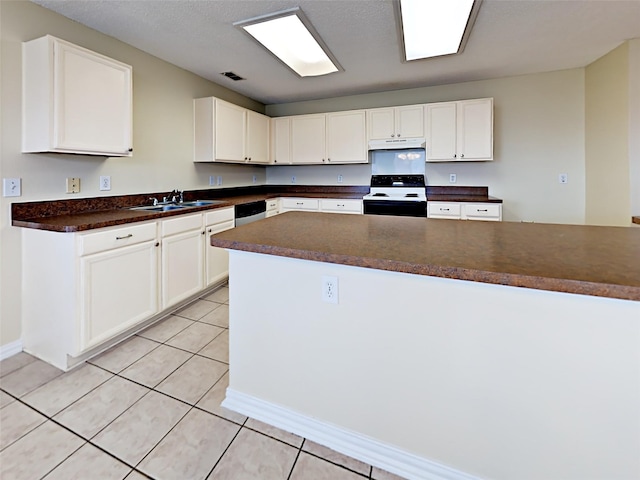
[(579, 259)]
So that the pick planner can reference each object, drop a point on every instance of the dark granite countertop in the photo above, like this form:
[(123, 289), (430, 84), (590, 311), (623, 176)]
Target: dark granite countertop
[(78, 215), (588, 260)]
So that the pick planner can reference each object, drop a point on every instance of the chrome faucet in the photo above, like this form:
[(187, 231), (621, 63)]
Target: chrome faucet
[(154, 201)]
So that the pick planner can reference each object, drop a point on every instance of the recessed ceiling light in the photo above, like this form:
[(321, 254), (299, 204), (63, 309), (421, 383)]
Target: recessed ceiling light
[(432, 28), (290, 37)]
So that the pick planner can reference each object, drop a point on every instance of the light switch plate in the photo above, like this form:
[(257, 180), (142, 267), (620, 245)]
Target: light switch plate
[(11, 187), (73, 185)]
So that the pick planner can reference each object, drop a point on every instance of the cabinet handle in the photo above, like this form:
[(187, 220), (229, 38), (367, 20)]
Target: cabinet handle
[(455, 155), (328, 159), (462, 155), (485, 210), (157, 244), (299, 203), (203, 232), (125, 237), (130, 150), (444, 209), (398, 135), (275, 161), (393, 135)]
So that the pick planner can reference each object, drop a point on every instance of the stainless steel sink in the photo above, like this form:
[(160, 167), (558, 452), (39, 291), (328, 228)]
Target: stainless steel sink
[(202, 203), (158, 208), (177, 206)]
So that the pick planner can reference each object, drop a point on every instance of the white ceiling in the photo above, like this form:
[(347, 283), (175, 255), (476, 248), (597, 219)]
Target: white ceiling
[(510, 37)]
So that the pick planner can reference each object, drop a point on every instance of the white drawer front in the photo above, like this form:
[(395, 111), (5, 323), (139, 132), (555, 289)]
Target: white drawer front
[(483, 211), (183, 223), (220, 227), (108, 239), (219, 215), (342, 206), (272, 205), (311, 204), (443, 209)]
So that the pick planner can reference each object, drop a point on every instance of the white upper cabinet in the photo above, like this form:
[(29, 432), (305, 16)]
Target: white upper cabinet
[(230, 130), (257, 141), (224, 132), (281, 140), (460, 131), (396, 122), (346, 137), (75, 100), (308, 139)]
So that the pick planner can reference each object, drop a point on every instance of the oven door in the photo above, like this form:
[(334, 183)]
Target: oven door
[(395, 207)]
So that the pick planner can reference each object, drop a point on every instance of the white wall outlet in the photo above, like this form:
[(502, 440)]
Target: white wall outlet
[(563, 178), (453, 178), (329, 289), (293, 179), (212, 180), (73, 185), (105, 182), (219, 179), (255, 179), (340, 178), (11, 187)]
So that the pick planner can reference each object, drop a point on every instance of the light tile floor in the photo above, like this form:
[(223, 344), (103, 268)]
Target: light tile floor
[(150, 408)]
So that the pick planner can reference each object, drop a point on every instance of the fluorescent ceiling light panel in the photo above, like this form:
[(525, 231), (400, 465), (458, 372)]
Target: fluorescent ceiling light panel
[(290, 37), (433, 28)]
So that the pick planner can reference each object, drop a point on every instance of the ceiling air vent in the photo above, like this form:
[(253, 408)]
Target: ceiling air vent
[(232, 76)]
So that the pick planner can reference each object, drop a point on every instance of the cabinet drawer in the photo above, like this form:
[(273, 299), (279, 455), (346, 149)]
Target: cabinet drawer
[(272, 205), (342, 206), (443, 209), (220, 227), (482, 211), (219, 215), (100, 241), (183, 223), (300, 204)]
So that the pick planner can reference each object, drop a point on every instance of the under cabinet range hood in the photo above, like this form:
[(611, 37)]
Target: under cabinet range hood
[(397, 143)]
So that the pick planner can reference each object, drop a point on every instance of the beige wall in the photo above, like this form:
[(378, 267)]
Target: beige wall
[(163, 131), (634, 125), (608, 200), (539, 133)]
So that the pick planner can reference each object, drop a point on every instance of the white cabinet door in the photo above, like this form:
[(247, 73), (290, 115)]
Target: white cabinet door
[(475, 129), (441, 130), (119, 288), (230, 126), (460, 131), (216, 259), (381, 123), (257, 148), (396, 122), (281, 140), (308, 139), (409, 121), (182, 258), (75, 100), (346, 137)]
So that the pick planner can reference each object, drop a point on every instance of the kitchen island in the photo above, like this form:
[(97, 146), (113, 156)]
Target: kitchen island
[(455, 349)]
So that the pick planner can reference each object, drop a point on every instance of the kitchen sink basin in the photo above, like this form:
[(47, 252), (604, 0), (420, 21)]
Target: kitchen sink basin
[(201, 203), (177, 206), (158, 208)]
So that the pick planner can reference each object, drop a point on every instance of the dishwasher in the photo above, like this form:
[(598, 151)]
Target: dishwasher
[(250, 212)]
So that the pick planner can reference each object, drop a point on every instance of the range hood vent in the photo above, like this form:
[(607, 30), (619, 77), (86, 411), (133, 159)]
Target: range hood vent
[(397, 143)]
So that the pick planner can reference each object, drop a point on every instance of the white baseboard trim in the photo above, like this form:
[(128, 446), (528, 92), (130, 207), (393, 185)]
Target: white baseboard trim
[(353, 444), (10, 349)]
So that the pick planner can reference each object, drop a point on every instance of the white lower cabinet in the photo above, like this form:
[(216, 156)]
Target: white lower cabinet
[(330, 205), (82, 289), (182, 258), (216, 259), (303, 204), (465, 211), (273, 207), (119, 289)]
